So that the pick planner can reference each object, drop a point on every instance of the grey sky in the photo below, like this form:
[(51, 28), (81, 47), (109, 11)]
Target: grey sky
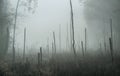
[(48, 16)]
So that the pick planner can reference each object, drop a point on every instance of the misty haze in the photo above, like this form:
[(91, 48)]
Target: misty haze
[(59, 38)]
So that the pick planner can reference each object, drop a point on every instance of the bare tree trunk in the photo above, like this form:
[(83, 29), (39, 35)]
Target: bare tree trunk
[(111, 41), (82, 48), (105, 46), (52, 49), (48, 46), (41, 55), (85, 39), (8, 36), (72, 23), (16, 12), (111, 49), (54, 42), (24, 44), (111, 30), (38, 59)]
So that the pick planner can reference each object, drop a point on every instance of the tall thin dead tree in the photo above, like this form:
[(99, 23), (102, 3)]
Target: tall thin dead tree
[(14, 31), (111, 49), (24, 44), (72, 25), (85, 39), (82, 48), (48, 46), (111, 41), (40, 58), (111, 30), (54, 42), (8, 36), (105, 45), (52, 49), (41, 55)]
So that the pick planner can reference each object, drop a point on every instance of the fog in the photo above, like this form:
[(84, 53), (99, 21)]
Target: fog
[(42, 18), (98, 15), (59, 37), (48, 16)]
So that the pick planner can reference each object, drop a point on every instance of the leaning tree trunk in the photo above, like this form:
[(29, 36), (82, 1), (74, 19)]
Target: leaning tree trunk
[(72, 25)]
